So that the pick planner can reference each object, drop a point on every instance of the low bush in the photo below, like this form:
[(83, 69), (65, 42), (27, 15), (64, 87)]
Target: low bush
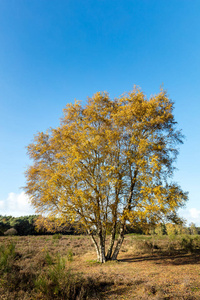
[(59, 282), (11, 231), (12, 279), (70, 255), (54, 281), (143, 246), (189, 244), (7, 257), (48, 259), (57, 236)]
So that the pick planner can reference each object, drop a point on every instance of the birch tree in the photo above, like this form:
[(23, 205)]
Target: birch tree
[(108, 163)]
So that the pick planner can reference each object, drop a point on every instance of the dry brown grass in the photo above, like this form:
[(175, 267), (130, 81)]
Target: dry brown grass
[(146, 268)]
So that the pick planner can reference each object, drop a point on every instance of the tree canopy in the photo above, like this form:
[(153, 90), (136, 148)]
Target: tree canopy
[(108, 163)]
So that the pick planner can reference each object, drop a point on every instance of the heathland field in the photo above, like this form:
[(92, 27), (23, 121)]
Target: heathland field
[(65, 267)]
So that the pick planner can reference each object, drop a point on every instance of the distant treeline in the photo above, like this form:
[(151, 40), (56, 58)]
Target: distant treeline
[(38, 225), (164, 229), (23, 225)]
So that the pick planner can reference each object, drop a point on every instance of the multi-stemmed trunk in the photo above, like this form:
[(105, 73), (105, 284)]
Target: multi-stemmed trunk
[(102, 257), (100, 247)]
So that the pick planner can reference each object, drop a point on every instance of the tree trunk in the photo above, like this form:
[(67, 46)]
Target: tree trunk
[(102, 257), (112, 240), (119, 241), (96, 245)]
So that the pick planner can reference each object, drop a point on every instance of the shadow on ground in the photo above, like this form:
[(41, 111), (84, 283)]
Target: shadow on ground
[(177, 259)]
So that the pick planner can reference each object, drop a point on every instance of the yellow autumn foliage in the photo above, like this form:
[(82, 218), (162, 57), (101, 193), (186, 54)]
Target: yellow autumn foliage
[(108, 162)]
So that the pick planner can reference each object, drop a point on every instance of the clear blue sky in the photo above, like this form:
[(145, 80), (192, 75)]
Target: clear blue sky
[(52, 52)]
